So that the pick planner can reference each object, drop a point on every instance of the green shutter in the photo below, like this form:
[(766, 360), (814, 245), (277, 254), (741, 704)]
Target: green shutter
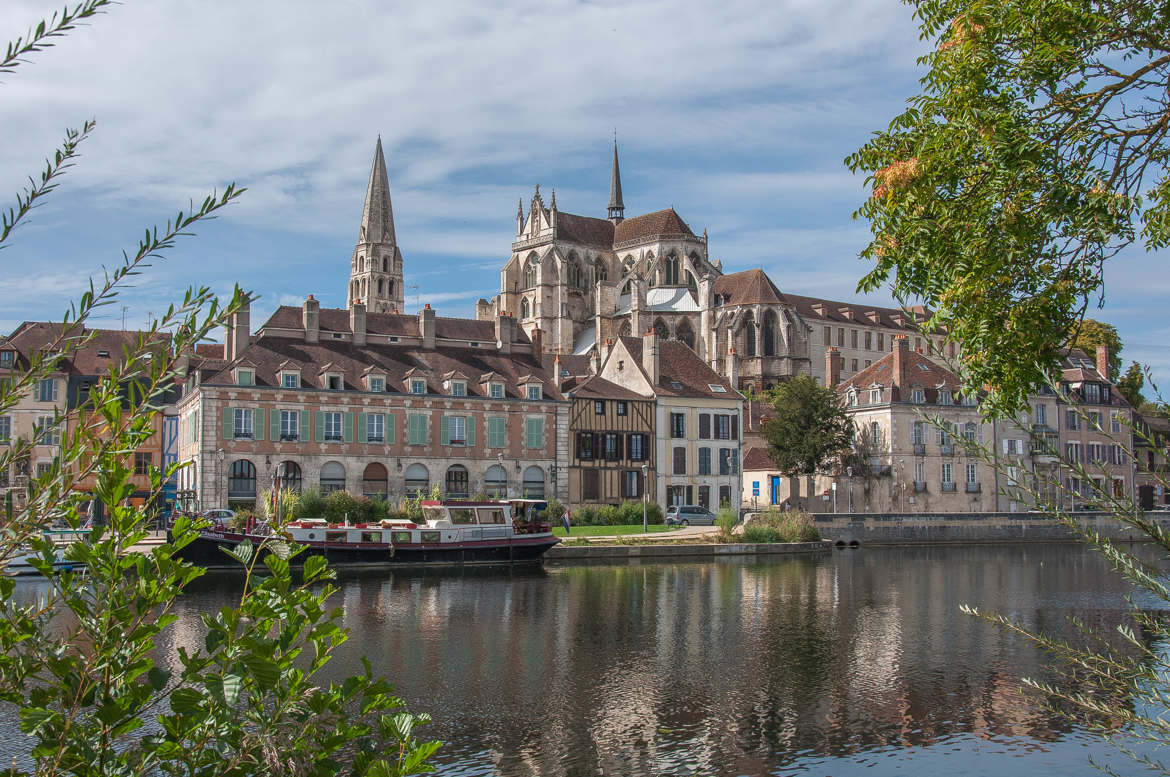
[(416, 429), (390, 437), (319, 427), (470, 431), (533, 432), (498, 432), (274, 425), (362, 429), (347, 427), (258, 424), (444, 431), (303, 427), (228, 423)]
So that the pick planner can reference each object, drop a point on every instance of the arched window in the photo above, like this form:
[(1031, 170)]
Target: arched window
[(524, 309), (534, 483), (749, 337), (573, 274), (601, 272), (457, 486), (685, 334), (384, 264), (374, 480), (242, 480), (332, 477), (671, 270), (530, 274), (417, 481), (361, 264), (661, 329), (288, 474), (625, 329), (381, 287), (495, 481), (694, 287), (770, 324), (391, 290)]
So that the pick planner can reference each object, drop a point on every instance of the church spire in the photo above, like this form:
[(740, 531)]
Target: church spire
[(617, 208), (377, 215)]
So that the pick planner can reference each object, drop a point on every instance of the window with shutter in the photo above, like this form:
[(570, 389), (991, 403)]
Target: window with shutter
[(590, 485), (704, 461), (533, 432), (680, 461), (704, 426)]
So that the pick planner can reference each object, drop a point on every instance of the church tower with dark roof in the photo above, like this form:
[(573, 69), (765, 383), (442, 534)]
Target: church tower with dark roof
[(375, 269)]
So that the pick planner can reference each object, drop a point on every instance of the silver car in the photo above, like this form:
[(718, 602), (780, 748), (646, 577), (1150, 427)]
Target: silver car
[(686, 515)]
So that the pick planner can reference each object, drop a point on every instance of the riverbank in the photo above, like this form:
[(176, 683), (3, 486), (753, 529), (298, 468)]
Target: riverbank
[(688, 550), (971, 528)]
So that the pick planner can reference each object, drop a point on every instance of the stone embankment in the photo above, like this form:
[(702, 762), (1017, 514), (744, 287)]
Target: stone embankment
[(970, 528), (690, 552)]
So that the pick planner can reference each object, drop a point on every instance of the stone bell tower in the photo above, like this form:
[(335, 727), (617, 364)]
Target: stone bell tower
[(375, 269)]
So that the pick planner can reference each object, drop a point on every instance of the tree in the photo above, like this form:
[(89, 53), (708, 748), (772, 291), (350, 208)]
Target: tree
[(1090, 333), (808, 427), (1131, 384), (80, 666), (1034, 153)]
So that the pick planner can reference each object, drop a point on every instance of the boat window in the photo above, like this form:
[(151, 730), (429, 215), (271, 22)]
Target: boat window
[(434, 513), (335, 536), (463, 515), (401, 537), (430, 536), (494, 515), (371, 536)]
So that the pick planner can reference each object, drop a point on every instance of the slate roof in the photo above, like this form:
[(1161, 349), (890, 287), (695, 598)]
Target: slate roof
[(833, 312), (33, 336), (681, 372), (393, 324)]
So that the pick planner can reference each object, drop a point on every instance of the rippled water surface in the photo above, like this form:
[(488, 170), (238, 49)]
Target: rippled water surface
[(858, 662)]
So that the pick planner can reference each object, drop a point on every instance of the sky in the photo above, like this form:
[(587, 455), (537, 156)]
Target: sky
[(738, 114)]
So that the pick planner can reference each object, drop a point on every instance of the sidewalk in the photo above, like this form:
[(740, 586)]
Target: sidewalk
[(685, 532)]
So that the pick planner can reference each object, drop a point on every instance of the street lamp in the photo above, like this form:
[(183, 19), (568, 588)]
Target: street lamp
[(902, 483), (645, 496), (849, 472), (500, 461), (834, 489)]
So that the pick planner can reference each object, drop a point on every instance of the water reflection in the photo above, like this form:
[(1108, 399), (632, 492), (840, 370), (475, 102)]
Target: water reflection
[(856, 661)]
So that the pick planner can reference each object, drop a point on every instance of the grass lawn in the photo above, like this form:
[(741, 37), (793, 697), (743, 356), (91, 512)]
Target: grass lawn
[(594, 531)]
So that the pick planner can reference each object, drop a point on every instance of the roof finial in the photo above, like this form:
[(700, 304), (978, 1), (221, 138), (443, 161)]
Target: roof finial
[(617, 208), (553, 202)]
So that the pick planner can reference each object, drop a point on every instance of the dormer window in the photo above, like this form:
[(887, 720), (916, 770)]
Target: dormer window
[(290, 379), (917, 396), (944, 396), (335, 381), (418, 386), (969, 400), (377, 383), (534, 391), (875, 396), (852, 398), (458, 388), (496, 390), (245, 377), (7, 358)]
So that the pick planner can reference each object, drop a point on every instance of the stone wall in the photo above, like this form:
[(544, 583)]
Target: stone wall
[(968, 528)]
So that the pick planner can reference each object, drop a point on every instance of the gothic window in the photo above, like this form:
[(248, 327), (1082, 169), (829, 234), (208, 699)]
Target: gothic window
[(749, 336), (530, 274), (602, 273), (574, 274), (381, 287), (361, 264), (671, 270), (685, 334), (770, 324), (694, 287), (625, 330), (524, 309), (391, 294), (384, 265), (661, 329)]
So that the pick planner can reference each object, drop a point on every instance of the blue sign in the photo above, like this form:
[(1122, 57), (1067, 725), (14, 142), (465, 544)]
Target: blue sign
[(755, 488)]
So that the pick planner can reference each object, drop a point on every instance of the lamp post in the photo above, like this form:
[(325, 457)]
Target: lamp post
[(902, 483), (849, 472), (834, 489), (500, 461), (645, 496)]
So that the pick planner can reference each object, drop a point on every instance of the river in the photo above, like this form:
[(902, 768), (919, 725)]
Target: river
[(854, 662)]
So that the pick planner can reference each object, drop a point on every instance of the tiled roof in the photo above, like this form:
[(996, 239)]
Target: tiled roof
[(750, 287), (853, 312), (34, 336), (393, 324), (268, 353), (596, 233), (681, 373), (657, 224), (920, 371), (756, 459), (597, 387)]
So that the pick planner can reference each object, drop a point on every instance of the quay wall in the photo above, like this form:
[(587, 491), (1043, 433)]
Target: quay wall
[(974, 528), (658, 552)]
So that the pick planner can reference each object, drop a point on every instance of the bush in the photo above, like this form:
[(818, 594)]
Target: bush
[(308, 504), (552, 512), (585, 516), (339, 505), (775, 526), (726, 520)]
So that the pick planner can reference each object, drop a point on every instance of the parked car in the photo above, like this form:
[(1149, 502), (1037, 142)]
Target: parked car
[(220, 516), (685, 515)]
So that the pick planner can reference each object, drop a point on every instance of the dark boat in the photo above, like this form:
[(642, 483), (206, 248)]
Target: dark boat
[(452, 532)]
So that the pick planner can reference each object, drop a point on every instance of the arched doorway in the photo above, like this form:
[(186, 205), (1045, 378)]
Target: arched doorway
[(374, 480), (495, 481), (417, 481), (242, 483), (533, 483), (457, 483), (332, 477), (288, 475)]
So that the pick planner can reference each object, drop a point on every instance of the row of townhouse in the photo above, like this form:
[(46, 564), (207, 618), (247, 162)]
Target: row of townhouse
[(58, 403), (916, 425), (655, 421)]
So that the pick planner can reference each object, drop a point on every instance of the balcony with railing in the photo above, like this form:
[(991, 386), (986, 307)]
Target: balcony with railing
[(948, 487), (972, 488), (947, 449), (919, 486), (919, 448)]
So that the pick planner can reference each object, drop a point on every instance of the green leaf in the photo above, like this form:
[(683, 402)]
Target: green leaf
[(185, 701), (241, 553), (314, 566), (264, 670), (158, 678)]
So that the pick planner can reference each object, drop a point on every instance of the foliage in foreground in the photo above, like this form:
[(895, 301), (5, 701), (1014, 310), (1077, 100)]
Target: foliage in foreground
[(775, 525), (1035, 151), (102, 681)]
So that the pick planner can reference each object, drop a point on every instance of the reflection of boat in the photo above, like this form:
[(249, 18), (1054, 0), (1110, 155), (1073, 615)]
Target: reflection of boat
[(20, 563), (451, 532)]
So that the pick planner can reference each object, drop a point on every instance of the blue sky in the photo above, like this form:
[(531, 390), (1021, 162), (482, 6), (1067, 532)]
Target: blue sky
[(737, 114)]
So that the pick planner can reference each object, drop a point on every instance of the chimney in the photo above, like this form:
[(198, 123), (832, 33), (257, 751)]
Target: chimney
[(426, 327), (606, 348), (650, 355), (312, 320), (357, 322), (537, 338), (834, 364), (229, 339), (732, 368), (557, 372), (505, 333), (241, 333), (1103, 361), (901, 350)]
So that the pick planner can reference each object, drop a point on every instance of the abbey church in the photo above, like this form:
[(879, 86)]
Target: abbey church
[(579, 282)]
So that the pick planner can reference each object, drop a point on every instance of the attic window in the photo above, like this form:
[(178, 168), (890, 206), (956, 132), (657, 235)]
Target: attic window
[(924, 368), (7, 358), (418, 386), (458, 388), (535, 391), (674, 384), (103, 354), (334, 382), (337, 335), (393, 339), (245, 377), (716, 388), (496, 390), (474, 344)]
